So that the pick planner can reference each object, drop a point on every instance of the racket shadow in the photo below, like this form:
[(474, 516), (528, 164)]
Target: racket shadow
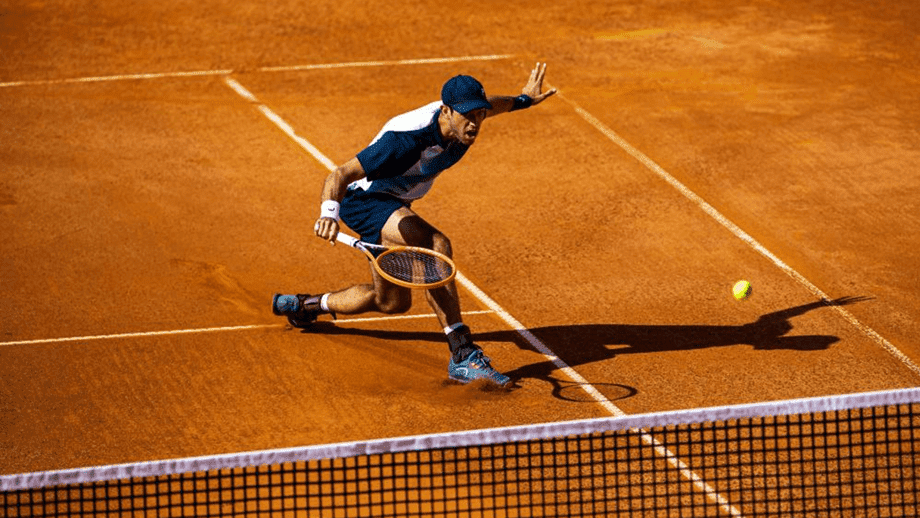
[(581, 344)]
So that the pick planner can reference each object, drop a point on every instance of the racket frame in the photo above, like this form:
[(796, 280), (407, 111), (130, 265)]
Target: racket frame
[(385, 250)]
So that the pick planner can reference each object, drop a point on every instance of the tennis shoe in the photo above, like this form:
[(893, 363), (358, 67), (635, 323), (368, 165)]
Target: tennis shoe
[(301, 310), (476, 366)]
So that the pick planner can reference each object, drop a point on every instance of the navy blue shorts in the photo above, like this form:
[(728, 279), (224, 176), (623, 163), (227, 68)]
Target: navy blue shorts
[(366, 213)]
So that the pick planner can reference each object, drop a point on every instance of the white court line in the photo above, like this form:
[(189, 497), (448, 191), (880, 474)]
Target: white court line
[(291, 68), (139, 335), (539, 346), (285, 127), (217, 329), (400, 62), (535, 342), (402, 317), (741, 234)]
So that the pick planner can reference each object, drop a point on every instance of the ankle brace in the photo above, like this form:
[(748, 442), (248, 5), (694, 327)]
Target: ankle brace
[(316, 304), (311, 303)]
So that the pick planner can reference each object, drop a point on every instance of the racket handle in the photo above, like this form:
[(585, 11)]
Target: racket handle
[(342, 237)]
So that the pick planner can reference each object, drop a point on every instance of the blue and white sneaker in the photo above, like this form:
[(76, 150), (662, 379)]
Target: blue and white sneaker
[(301, 310), (476, 366)]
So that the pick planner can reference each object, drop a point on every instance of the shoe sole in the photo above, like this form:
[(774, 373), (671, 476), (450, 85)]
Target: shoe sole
[(467, 381), (300, 324)]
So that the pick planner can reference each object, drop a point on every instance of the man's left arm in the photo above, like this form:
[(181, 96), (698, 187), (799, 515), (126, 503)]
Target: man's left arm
[(531, 95)]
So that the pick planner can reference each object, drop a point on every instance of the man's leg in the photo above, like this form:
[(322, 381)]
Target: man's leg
[(382, 296), (366, 215), (467, 361), (406, 228), (402, 227)]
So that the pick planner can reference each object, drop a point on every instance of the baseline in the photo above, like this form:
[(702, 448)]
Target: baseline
[(225, 72)]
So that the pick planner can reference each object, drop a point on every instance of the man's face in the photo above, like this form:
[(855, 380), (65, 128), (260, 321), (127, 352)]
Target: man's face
[(465, 126)]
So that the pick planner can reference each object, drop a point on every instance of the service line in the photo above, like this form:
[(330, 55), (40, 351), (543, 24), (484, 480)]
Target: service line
[(148, 334)]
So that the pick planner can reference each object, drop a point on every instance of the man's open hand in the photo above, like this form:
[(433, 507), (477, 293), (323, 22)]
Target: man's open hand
[(534, 86)]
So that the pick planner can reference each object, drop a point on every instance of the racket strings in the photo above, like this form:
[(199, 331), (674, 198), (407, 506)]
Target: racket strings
[(415, 266)]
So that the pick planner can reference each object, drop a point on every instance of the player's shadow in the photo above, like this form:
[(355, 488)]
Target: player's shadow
[(581, 344)]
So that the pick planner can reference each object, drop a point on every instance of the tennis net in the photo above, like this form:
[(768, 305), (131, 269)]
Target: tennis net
[(849, 455)]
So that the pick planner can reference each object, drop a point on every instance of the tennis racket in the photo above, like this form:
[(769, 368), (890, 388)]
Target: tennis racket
[(408, 266)]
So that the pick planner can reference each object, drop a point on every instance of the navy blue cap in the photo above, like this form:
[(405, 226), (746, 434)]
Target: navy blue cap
[(464, 94)]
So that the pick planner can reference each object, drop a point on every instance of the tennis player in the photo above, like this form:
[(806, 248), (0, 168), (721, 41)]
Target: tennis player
[(373, 192)]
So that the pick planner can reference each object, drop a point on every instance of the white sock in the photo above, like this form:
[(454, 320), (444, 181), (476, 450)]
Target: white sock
[(323, 302), (449, 329)]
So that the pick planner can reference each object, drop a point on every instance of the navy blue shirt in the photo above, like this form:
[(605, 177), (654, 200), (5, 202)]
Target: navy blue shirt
[(407, 155)]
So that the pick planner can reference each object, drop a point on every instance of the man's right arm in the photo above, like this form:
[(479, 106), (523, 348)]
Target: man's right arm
[(327, 226)]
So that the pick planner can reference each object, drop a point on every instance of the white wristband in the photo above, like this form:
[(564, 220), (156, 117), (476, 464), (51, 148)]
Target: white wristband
[(330, 209)]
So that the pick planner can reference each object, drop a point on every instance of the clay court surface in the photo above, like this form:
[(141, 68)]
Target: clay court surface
[(149, 212)]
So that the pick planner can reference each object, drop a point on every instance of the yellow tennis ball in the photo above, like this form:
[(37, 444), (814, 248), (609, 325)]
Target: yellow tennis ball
[(741, 290)]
